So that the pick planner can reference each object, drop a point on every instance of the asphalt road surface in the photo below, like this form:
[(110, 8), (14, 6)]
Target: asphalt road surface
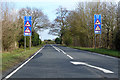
[(54, 61)]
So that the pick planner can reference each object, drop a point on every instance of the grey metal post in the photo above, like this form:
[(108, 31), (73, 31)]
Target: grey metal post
[(99, 40), (25, 43), (30, 38), (30, 42), (95, 41)]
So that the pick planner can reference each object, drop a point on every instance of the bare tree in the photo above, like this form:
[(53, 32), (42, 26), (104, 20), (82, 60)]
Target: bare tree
[(79, 24), (58, 27), (39, 20)]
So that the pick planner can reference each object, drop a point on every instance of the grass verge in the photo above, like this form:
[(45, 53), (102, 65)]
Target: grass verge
[(10, 59), (109, 52)]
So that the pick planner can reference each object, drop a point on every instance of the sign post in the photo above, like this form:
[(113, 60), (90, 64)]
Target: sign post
[(97, 26), (27, 28), (25, 43), (30, 43)]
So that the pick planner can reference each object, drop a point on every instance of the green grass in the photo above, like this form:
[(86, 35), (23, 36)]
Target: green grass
[(101, 51), (10, 59)]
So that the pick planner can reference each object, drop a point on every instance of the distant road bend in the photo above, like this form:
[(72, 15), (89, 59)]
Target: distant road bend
[(55, 61)]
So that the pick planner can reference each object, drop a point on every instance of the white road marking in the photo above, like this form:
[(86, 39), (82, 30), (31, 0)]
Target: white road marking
[(55, 48), (82, 63), (99, 54), (101, 69), (63, 52), (8, 76), (104, 55), (58, 48), (69, 56)]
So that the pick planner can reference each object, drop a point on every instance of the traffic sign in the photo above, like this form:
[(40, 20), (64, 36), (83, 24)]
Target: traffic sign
[(97, 28), (27, 30), (27, 26), (97, 24), (27, 18)]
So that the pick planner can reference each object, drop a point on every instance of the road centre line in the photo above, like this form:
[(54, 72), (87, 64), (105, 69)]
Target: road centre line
[(82, 63), (9, 75), (55, 48), (66, 54), (63, 52), (101, 69), (69, 56)]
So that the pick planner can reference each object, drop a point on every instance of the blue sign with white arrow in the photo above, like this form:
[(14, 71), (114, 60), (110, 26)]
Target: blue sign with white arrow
[(27, 26), (97, 24)]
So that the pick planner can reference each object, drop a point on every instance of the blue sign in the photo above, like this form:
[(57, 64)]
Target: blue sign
[(27, 26), (97, 24), (27, 18)]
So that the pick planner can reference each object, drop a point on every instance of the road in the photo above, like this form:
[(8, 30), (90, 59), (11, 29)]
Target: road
[(55, 61)]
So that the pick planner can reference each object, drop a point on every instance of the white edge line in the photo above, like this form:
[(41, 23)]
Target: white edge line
[(98, 54), (8, 76), (101, 69), (105, 55)]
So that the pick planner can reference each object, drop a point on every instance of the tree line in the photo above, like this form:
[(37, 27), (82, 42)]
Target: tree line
[(76, 27), (13, 26)]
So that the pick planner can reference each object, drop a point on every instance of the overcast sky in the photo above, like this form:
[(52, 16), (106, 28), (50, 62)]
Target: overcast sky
[(49, 8)]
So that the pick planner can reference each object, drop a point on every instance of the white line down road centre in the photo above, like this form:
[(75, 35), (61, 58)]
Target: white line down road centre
[(55, 48), (58, 49)]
